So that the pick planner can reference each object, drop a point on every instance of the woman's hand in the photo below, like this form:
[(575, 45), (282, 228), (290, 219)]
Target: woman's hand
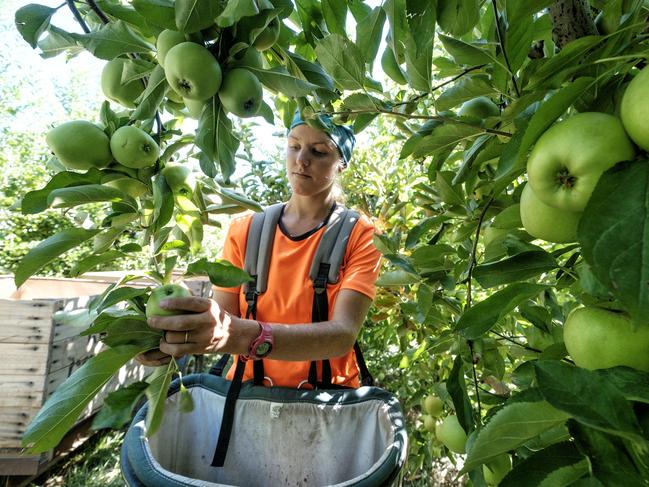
[(204, 328)]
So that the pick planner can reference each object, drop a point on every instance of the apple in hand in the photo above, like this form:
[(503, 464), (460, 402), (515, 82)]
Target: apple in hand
[(164, 292), (546, 222), (570, 156), (598, 338), (133, 147), (241, 93), (192, 71)]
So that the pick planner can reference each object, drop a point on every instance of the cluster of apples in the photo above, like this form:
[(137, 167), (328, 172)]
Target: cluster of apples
[(569, 158)]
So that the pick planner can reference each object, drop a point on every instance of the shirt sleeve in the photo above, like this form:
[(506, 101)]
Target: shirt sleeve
[(234, 246), (362, 260)]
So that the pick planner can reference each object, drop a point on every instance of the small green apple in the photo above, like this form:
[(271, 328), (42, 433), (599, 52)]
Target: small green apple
[(451, 434), (164, 292), (166, 40), (194, 107), (480, 108), (496, 469), (247, 58), (264, 33), (241, 93), (132, 187), (80, 145), (180, 178), (569, 158), (433, 405), (111, 83), (635, 107), (192, 71), (429, 422), (133, 147), (546, 222), (598, 338)]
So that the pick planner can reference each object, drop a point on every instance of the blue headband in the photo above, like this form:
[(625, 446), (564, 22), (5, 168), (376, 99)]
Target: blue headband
[(341, 135)]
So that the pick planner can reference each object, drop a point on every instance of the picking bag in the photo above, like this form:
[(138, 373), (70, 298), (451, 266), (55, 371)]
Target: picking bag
[(280, 437)]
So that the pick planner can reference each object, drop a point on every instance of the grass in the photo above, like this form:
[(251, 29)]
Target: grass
[(95, 464)]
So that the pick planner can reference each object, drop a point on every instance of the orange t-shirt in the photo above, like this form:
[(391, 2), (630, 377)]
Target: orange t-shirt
[(289, 297)]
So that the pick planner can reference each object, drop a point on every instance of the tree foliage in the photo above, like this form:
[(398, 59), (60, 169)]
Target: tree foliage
[(470, 305)]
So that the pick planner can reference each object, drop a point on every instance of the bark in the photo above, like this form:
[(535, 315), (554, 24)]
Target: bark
[(571, 19)]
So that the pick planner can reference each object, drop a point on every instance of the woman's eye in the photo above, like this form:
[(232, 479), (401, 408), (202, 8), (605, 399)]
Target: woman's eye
[(318, 153)]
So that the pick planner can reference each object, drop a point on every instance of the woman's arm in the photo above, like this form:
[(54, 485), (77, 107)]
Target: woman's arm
[(214, 327)]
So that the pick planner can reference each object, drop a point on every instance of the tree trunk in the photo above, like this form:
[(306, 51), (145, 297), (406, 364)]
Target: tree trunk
[(571, 19)]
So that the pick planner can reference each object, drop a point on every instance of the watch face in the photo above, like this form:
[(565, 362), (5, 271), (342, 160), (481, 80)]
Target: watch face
[(263, 349)]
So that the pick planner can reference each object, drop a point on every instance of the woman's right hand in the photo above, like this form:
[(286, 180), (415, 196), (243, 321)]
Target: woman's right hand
[(153, 358)]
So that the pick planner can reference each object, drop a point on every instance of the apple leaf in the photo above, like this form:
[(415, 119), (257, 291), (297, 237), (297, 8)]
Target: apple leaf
[(221, 272), (112, 40), (479, 318), (588, 397), (93, 260), (312, 72), (157, 12), (612, 232), (632, 383), (156, 393), (535, 468), (465, 53), (195, 15), (342, 60), (118, 406), (58, 41), (150, 99), (456, 387), (36, 201), (215, 137), (117, 295), (444, 138), (32, 20), (235, 10), (368, 33), (88, 193), (163, 203), (520, 267), (468, 88), (513, 425), (63, 407), (280, 80), (48, 250)]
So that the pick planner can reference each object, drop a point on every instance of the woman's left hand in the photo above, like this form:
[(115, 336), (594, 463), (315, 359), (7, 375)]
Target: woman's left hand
[(203, 328)]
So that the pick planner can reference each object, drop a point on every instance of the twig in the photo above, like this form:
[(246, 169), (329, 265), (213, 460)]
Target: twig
[(77, 15), (102, 16), (475, 380), (474, 251), (502, 47), (441, 85), (511, 340), (419, 117)]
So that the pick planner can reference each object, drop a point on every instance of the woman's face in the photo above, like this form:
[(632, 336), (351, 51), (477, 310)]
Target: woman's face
[(312, 161)]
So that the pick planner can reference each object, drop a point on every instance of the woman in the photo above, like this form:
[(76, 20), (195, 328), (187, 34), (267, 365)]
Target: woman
[(314, 160)]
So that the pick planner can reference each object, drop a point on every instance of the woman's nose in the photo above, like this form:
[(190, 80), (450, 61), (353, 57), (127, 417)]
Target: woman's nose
[(303, 158)]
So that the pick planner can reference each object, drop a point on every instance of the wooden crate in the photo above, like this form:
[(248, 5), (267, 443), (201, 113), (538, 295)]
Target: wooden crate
[(40, 347)]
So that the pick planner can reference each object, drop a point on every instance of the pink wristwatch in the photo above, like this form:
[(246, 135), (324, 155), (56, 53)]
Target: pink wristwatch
[(261, 346)]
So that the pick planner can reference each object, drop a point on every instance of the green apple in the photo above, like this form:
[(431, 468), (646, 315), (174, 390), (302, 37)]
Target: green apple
[(451, 434), (132, 187), (192, 71), (164, 292), (241, 93), (247, 58), (111, 83), (166, 40), (568, 159), (429, 422), (480, 107), (546, 222), (133, 147), (194, 107), (391, 67), (433, 405), (598, 338), (635, 107), (80, 145), (265, 32), (180, 178), (495, 470)]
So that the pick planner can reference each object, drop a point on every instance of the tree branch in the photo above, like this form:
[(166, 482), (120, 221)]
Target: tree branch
[(474, 251), (77, 15), (102, 16), (502, 47)]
